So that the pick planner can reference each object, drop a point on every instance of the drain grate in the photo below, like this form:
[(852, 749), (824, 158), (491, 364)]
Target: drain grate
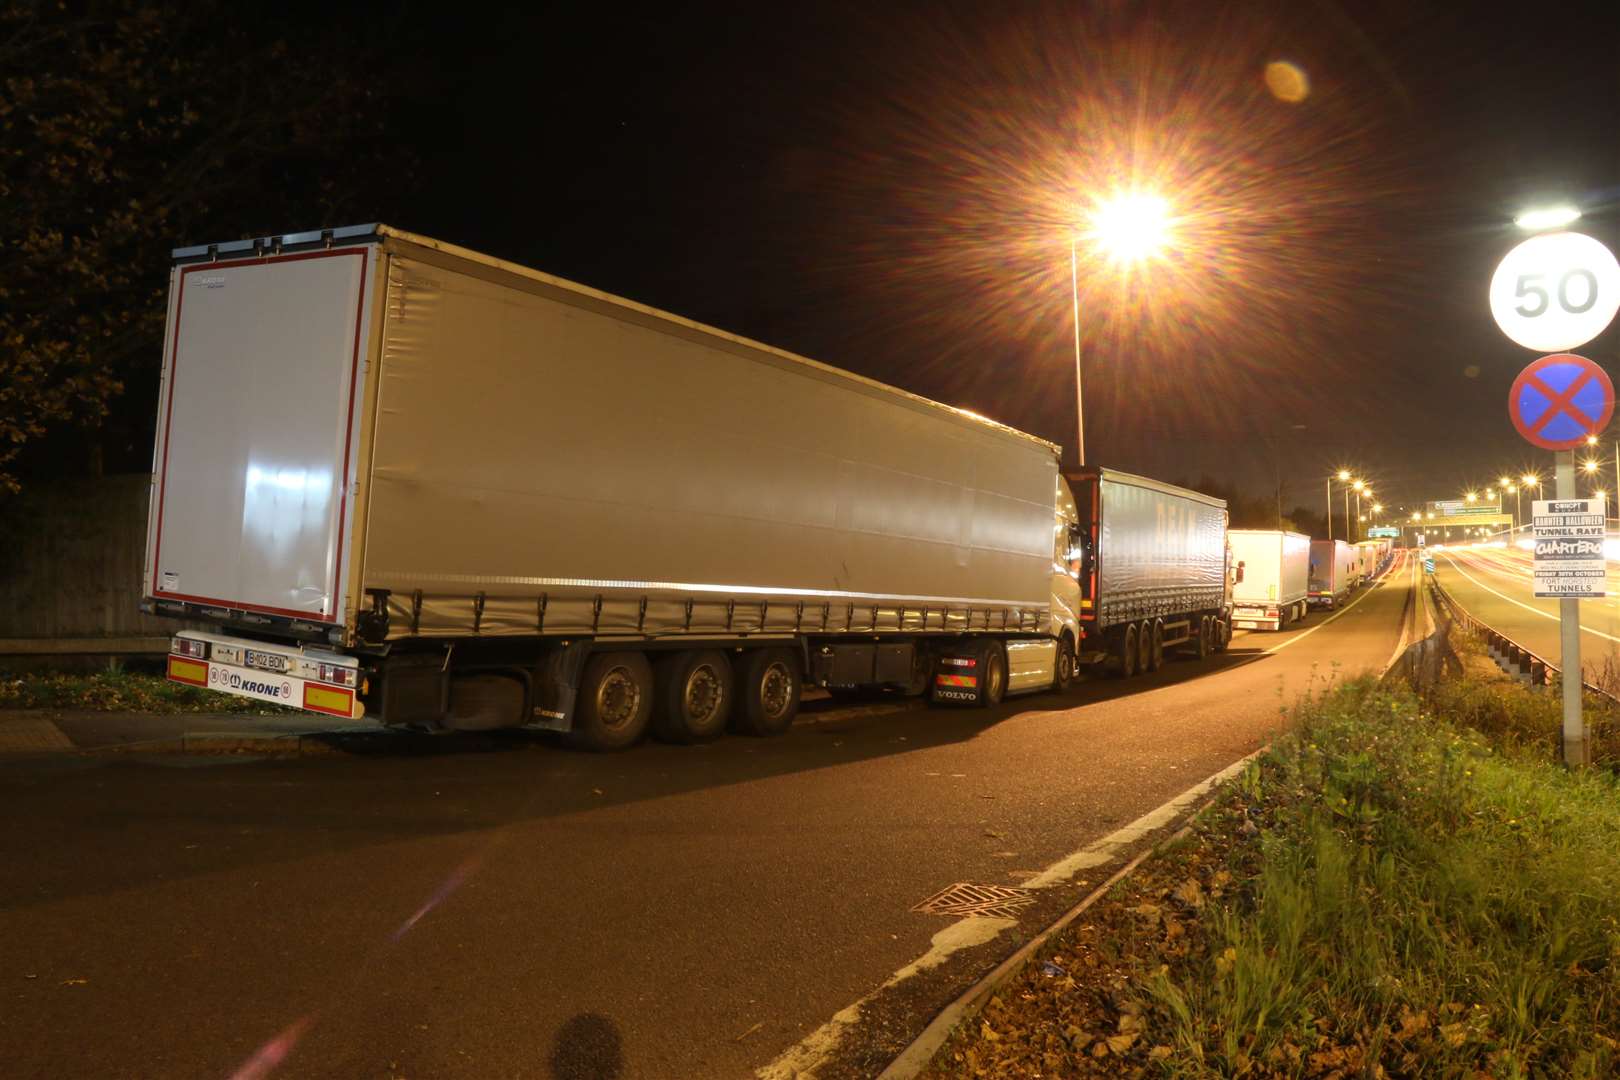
[(965, 898)]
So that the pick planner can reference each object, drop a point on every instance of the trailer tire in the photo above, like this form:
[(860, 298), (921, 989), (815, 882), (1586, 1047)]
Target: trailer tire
[(1223, 634), (992, 670), (615, 702), (1144, 647), (694, 692), (1124, 664), (1205, 643), (768, 689), (1158, 645)]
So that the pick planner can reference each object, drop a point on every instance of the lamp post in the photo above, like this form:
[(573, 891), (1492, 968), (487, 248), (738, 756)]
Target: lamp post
[(1358, 487), (1343, 476), (1128, 228), (1528, 480)]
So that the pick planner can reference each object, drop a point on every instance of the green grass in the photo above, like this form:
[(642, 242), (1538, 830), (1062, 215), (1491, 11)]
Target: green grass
[(1514, 716), (118, 691), (1420, 900)]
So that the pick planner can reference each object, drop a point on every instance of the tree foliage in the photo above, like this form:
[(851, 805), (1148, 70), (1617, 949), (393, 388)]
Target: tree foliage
[(129, 128)]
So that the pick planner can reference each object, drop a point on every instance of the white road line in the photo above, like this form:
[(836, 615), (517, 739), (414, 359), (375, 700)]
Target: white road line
[(812, 1052), (803, 1058), (1518, 603)]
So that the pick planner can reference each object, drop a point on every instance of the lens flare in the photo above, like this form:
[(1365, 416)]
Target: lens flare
[(990, 148), (270, 1056), (1287, 82)]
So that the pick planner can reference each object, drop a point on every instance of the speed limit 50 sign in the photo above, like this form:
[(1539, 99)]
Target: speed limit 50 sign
[(1556, 291)]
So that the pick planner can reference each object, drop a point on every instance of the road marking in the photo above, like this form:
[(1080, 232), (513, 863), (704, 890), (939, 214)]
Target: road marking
[(1342, 611), (810, 1053), (1535, 610)]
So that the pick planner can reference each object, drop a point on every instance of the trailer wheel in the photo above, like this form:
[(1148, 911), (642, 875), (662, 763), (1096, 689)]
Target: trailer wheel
[(694, 690), (1223, 634), (992, 674), (1144, 651), (1158, 645), (615, 701), (1125, 656), (768, 688), (1063, 666), (1204, 645)]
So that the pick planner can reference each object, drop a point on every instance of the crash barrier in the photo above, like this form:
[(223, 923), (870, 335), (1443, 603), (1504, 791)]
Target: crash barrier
[(1510, 656), (1427, 660)]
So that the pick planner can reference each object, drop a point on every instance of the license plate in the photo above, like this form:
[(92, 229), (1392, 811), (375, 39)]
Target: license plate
[(265, 661)]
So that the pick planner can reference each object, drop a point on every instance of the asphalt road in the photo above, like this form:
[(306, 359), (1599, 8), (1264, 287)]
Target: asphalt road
[(1494, 585), (504, 907)]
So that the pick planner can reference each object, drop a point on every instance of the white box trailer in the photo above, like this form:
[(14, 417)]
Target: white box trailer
[(1368, 559), (1332, 570), (1157, 573), (409, 480), (1273, 578)]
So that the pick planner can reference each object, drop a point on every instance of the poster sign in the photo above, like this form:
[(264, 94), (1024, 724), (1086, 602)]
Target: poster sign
[(1569, 561)]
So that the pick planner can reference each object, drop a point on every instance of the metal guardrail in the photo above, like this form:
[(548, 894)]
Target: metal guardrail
[(1509, 655)]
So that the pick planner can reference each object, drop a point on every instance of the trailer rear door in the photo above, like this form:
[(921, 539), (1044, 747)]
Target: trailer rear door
[(257, 433)]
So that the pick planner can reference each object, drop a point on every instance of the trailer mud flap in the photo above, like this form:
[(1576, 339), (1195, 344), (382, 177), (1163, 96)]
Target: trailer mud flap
[(556, 685)]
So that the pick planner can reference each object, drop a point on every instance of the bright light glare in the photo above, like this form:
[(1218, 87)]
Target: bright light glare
[(1344, 474), (1547, 217), (1531, 479), (1131, 227), (1471, 497), (1589, 466)]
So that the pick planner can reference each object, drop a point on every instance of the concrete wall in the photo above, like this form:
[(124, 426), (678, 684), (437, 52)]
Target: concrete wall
[(70, 569)]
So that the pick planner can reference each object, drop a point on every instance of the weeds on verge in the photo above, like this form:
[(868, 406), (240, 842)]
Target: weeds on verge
[(1423, 904), (1384, 893), (118, 691)]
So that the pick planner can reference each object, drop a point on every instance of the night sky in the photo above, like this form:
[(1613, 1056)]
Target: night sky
[(892, 188)]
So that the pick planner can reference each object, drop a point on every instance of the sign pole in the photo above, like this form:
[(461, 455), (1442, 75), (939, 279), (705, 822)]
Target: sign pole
[(1569, 637)]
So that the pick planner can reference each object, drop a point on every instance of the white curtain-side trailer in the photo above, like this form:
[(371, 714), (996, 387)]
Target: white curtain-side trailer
[(406, 479)]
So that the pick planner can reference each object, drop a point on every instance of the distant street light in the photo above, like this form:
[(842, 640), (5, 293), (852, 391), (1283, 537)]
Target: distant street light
[(1345, 477), (1127, 228), (1547, 217), (1471, 497)]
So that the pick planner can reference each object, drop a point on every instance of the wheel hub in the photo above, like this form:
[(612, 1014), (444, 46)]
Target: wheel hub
[(775, 690), (702, 694), (618, 698)]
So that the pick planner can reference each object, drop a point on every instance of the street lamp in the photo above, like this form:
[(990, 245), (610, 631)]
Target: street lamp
[(1343, 476), (1547, 217), (1127, 228)]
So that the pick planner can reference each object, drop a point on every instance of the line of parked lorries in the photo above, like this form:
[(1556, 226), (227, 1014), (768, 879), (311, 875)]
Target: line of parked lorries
[(401, 479), (1283, 574)]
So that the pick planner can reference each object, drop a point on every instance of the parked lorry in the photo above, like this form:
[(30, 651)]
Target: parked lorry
[(1156, 571), (403, 479), (1368, 559), (1332, 569), (1275, 577)]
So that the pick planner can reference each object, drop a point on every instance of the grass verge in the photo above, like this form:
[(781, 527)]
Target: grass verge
[(1383, 894), (119, 691)]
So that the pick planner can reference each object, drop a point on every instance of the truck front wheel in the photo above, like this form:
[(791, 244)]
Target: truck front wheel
[(768, 688), (992, 670), (615, 701), (1063, 666)]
